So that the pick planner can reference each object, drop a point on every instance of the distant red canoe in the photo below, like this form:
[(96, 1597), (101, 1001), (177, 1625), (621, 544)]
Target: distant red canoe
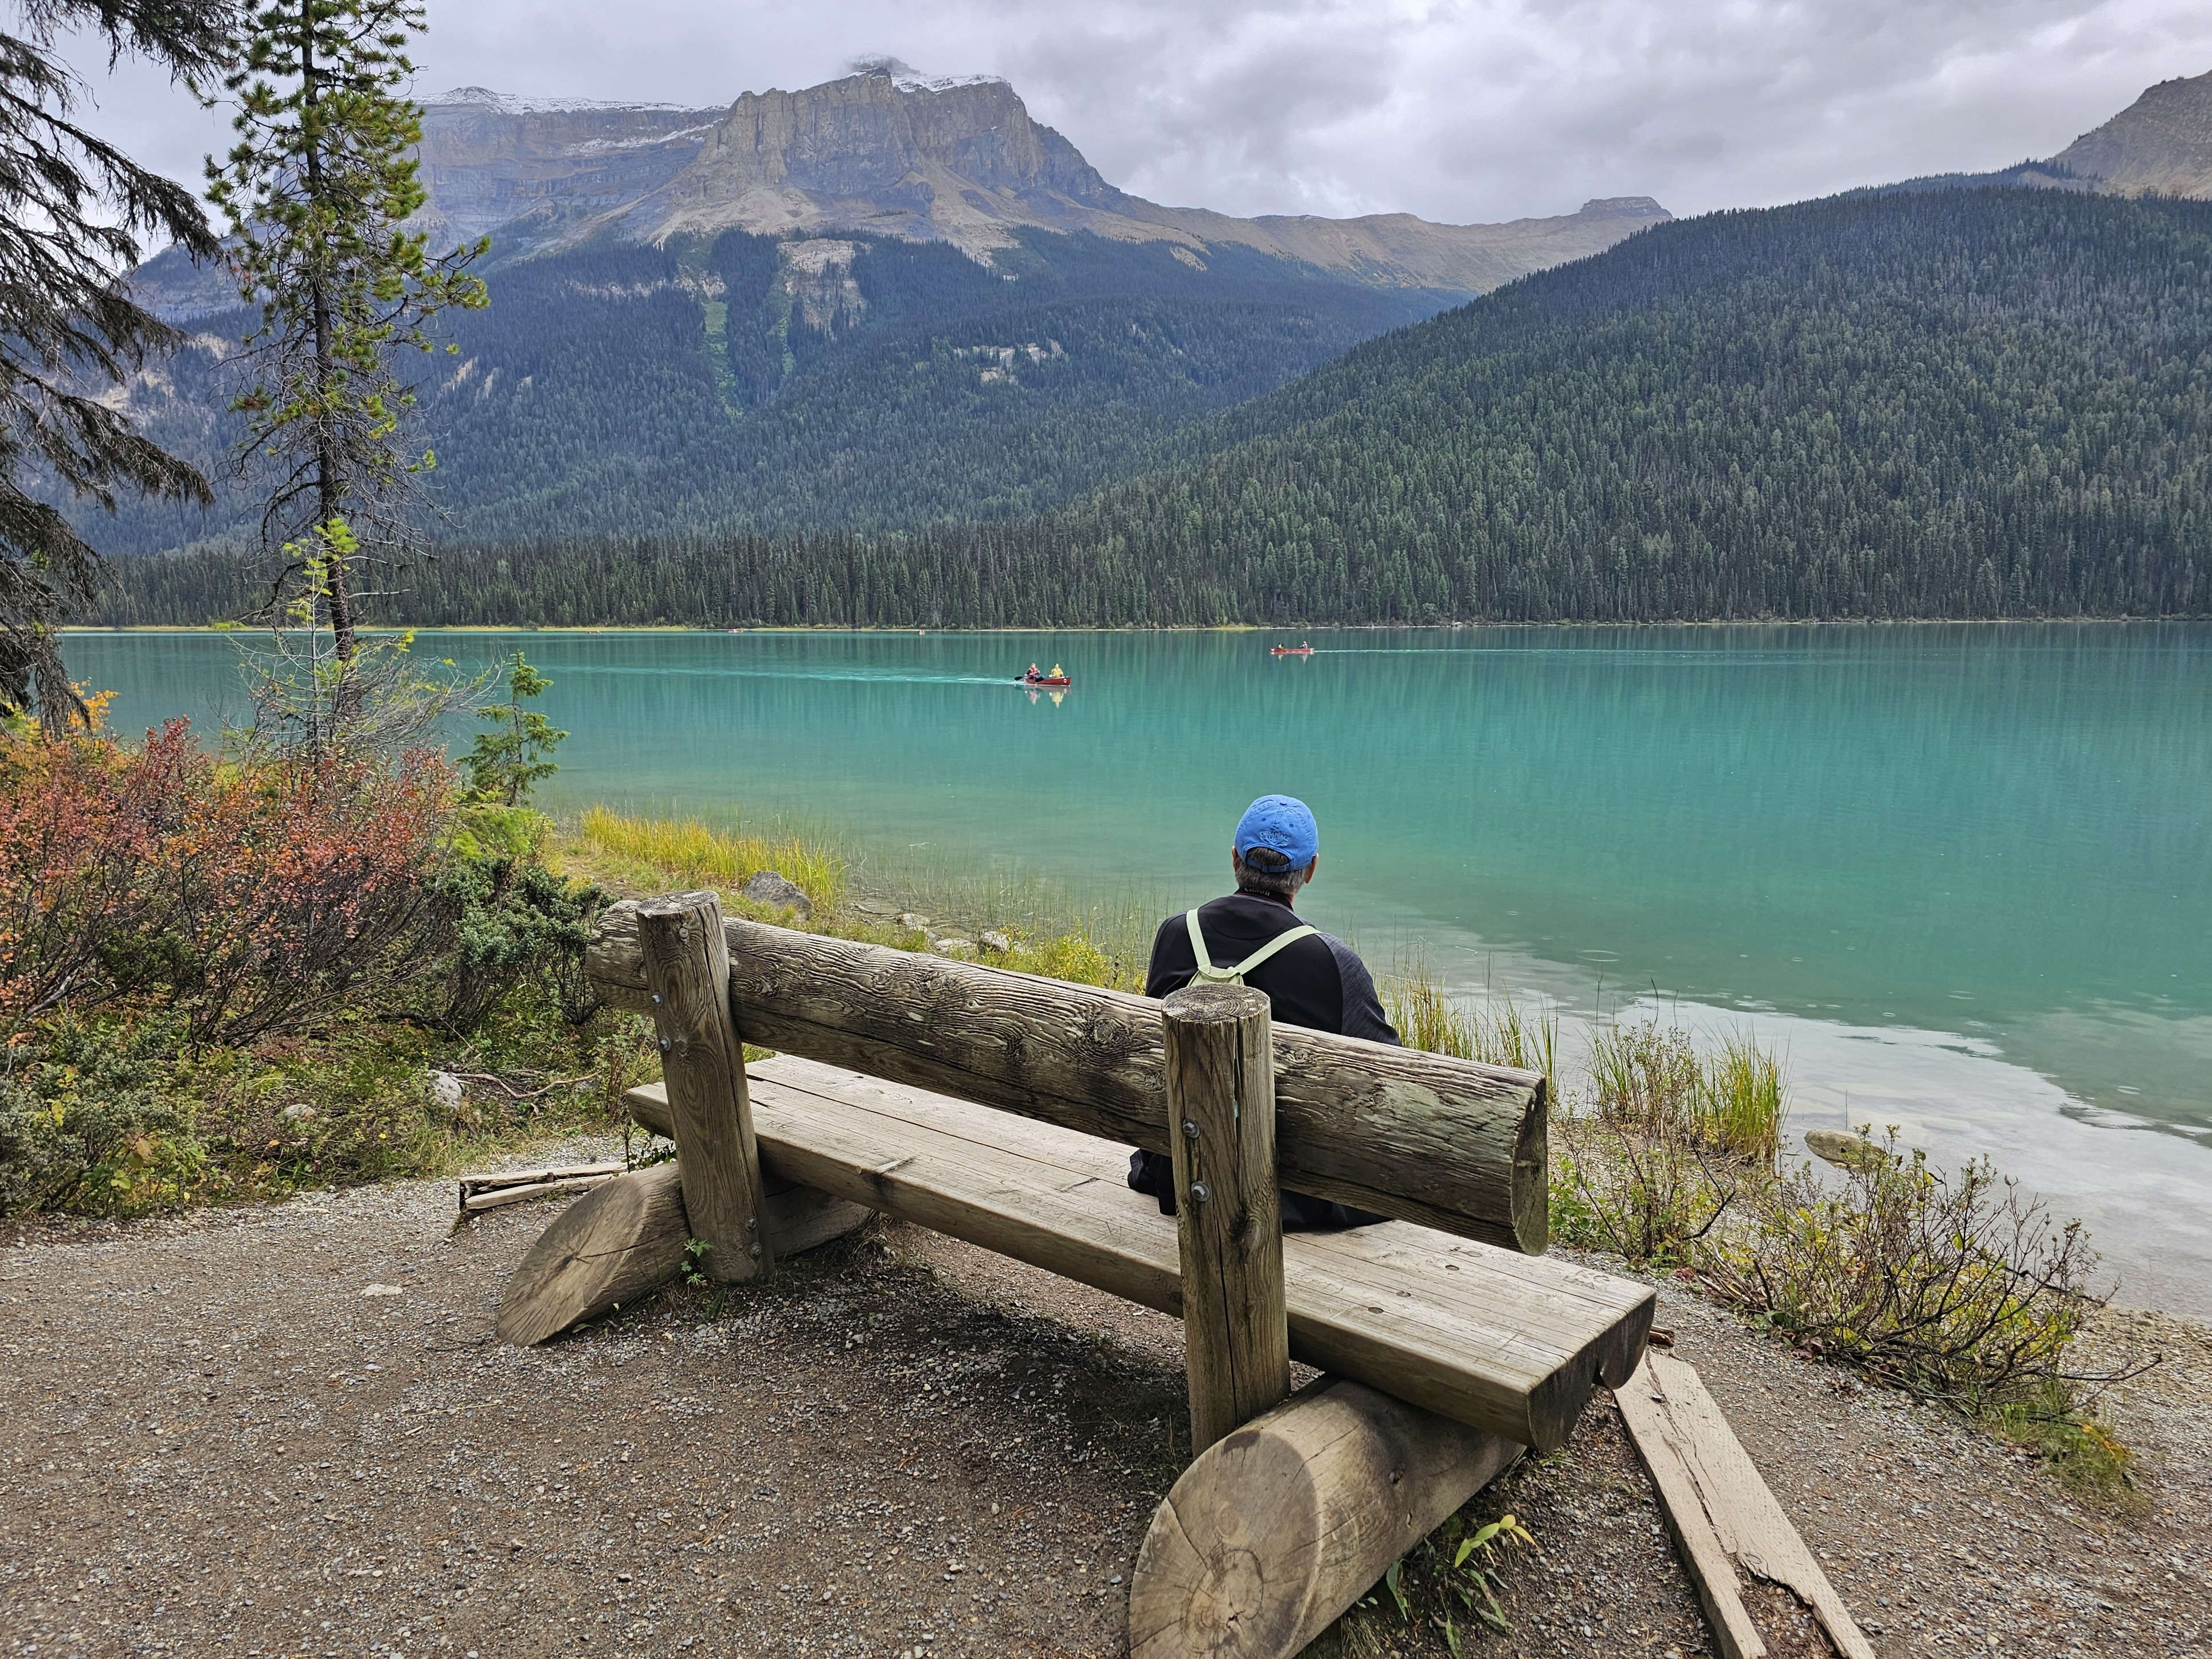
[(1044, 680), (1290, 651)]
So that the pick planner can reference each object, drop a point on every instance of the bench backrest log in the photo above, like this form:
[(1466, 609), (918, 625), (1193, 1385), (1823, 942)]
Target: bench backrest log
[(1421, 1137)]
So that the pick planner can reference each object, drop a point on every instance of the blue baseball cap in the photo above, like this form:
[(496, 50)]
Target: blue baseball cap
[(1283, 824)]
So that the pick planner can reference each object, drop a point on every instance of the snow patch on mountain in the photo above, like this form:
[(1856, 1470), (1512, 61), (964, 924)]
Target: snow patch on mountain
[(508, 103)]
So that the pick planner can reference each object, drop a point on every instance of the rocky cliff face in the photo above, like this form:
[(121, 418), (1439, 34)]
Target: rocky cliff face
[(956, 159), (487, 160), (2161, 144)]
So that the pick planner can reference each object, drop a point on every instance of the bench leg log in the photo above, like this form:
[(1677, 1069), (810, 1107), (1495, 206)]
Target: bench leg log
[(612, 1246), (1274, 1531), (1229, 1213), (625, 1238)]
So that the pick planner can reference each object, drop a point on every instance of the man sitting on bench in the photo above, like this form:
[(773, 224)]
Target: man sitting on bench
[(1254, 937)]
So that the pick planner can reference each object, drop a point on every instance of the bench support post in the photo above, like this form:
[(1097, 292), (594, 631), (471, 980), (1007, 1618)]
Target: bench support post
[(687, 971), (1221, 1124)]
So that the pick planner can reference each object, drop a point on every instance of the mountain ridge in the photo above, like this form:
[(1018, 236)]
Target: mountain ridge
[(2159, 145), (953, 158)]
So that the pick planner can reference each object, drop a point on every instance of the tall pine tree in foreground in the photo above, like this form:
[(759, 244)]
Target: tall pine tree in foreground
[(317, 190), (73, 212)]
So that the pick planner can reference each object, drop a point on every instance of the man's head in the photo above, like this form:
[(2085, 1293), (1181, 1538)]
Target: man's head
[(1277, 848)]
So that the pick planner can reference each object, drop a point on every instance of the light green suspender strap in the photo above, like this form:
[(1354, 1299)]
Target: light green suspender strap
[(1214, 976)]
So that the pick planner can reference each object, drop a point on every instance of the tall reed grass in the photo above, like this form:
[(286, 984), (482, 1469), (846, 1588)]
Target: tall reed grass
[(688, 851), (1641, 1076), (1494, 1032), (1651, 1079)]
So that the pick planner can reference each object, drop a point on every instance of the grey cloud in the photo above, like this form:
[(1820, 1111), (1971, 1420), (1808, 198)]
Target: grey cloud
[(1454, 109)]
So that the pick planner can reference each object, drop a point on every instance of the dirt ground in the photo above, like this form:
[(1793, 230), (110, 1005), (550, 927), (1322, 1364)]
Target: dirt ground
[(287, 1430)]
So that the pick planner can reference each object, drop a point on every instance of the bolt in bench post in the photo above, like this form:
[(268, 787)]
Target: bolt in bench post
[(687, 972), (1221, 1124)]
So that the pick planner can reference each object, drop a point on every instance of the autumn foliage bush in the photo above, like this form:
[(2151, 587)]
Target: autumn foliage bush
[(251, 897)]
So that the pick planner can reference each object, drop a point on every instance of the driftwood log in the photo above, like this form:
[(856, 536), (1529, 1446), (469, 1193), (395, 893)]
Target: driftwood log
[(1423, 1137), (500, 1188), (1724, 1518), (498, 1198), (1277, 1529)]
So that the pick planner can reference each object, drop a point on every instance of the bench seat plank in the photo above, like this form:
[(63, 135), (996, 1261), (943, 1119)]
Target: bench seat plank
[(1506, 1342)]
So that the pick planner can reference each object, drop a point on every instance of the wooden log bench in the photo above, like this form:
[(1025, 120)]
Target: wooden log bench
[(999, 1108)]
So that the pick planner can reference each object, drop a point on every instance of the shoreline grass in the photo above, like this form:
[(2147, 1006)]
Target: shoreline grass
[(693, 854)]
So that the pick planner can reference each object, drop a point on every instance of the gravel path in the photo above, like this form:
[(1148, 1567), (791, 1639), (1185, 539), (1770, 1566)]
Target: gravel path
[(287, 1431)]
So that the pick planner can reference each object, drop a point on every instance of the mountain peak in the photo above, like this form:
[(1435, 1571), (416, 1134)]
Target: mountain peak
[(907, 78), (2161, 145), (890, 151), (950, 158)]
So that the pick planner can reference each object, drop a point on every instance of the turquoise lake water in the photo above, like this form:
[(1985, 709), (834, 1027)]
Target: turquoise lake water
[(1959, 873)]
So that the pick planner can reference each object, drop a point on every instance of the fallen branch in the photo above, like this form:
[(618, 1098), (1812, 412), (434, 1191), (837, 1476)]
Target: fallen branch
[(479, 1193), (514, 1091)]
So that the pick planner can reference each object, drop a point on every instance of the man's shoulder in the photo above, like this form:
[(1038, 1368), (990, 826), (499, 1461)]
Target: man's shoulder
[(1336, 945), (1169, 930)]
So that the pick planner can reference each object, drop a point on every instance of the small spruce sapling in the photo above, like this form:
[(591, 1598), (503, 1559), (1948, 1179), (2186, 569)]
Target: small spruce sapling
[(510, 759)]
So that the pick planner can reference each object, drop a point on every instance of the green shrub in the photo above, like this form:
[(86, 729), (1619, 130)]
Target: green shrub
[(1650, 1195), (84, 1121), (502, 918), (1953, 1284)]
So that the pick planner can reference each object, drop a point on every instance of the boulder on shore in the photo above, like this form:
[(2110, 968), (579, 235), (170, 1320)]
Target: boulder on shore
[(1845, 1151), (771, 887)]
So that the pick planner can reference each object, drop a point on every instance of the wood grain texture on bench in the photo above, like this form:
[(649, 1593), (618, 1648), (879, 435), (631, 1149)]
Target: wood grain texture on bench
[(1508, 1343), (1445, 1142)]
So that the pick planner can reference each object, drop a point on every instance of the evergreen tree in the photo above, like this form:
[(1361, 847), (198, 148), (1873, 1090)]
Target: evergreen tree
[(317, 190), (73, 209), (510, 758)]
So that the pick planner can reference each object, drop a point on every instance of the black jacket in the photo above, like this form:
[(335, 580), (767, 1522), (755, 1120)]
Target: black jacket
[(1318, 982)]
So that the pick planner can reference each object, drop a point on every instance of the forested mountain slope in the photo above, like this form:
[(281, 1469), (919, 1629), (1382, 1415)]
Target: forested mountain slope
[(880, 302), (1955, 404), (847, 381), (1975, 402)]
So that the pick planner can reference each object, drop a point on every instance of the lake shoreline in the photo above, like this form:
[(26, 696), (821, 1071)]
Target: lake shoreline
[(803, 630)]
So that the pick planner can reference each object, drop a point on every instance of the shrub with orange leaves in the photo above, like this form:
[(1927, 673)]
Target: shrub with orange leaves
[(252, 896)]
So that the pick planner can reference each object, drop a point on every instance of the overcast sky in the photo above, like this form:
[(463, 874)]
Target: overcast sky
[(1458, 110)]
